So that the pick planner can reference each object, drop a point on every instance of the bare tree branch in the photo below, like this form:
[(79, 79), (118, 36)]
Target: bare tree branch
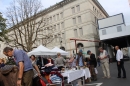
[(25, 26)]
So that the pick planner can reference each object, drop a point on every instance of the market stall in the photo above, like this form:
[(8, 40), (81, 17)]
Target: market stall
[(41, 50), (76, 74), (58, 50)]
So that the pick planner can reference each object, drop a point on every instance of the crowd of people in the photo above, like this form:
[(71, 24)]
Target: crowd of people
[(29, 69)]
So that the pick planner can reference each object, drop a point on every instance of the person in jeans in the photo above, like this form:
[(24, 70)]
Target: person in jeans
[(80, 59), (93, 65), (104, 62), (25, 73), (120, 62)]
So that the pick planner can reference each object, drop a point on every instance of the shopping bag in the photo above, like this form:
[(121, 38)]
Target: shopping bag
[(96, 70)]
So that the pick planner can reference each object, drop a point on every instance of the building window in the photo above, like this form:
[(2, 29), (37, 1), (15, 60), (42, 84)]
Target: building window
[(78, 8), (55, 38), (57, 16), (75, 33), (73, 10), (59, 37), (51, 28), (47, 30), (119, 29), (81, 31), (54, 18), (58, 26), (74, 20), (63, 35), (104, 32), (50, 19), (79, 19), (95, 20), (47, 20), (44, 31), (62, 25), (54, 27), (61, 14), (93, 8)]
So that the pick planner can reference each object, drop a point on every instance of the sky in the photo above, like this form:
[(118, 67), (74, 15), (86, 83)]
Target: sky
[(112, 7)]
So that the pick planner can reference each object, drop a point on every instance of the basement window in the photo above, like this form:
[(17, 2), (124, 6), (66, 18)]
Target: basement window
[(103, 32), (119, 28)]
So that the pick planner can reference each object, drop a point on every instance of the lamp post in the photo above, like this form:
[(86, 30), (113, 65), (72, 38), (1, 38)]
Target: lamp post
[(60, 39)]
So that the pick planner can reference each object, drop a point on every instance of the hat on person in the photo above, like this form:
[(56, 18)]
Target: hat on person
[(80, 51), (88, 51)]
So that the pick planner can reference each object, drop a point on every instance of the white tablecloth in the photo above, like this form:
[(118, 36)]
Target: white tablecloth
[(87, 73), (73, 74)]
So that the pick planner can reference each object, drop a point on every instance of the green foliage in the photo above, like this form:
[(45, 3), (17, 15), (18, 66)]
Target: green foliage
[(3, 30)]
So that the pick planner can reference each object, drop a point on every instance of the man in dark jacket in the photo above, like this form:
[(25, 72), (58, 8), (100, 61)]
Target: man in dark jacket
[(93, 65)]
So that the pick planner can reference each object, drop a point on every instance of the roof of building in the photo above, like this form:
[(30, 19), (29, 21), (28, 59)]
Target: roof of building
[(65, 2)]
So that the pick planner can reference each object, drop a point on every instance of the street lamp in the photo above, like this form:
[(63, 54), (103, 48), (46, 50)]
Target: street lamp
[(61, 47), (60, 38)]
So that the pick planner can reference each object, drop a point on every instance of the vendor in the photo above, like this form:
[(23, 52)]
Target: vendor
[(60, 61)]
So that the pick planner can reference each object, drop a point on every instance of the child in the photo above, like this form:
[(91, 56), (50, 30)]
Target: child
[(2, 62)]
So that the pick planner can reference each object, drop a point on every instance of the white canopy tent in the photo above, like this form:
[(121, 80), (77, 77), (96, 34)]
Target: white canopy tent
[(41, 50), (57, 50)]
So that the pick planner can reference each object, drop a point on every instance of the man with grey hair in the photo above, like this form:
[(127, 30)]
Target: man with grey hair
[(104, 62), (25, 73)]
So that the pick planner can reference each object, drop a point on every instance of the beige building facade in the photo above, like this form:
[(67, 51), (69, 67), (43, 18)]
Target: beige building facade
[(75, 19)]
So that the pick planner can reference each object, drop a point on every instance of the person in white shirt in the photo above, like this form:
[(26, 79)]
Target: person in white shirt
[(120, 62), (104, 62)]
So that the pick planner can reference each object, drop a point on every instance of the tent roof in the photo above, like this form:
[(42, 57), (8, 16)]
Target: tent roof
[(56, 49), (41, 50)]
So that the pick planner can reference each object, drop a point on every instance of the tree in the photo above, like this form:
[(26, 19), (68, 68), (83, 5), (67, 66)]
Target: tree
[(3, 30), (27, 25)]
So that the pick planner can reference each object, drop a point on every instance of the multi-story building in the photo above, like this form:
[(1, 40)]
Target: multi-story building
[(74, 19)]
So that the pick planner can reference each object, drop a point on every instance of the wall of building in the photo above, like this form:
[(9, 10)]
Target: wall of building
[(76, 19)]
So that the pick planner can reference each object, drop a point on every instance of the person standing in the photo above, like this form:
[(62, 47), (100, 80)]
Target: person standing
[(60, 61), (93, 65), (120, 62), (25, 73), (104, 62), (80, 59), (36, 71)]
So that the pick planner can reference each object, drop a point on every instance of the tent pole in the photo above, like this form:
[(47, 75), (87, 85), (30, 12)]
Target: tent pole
[(70, 48), (76, 46)]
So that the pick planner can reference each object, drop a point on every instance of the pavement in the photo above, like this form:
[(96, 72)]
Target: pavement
[(113, 81)]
